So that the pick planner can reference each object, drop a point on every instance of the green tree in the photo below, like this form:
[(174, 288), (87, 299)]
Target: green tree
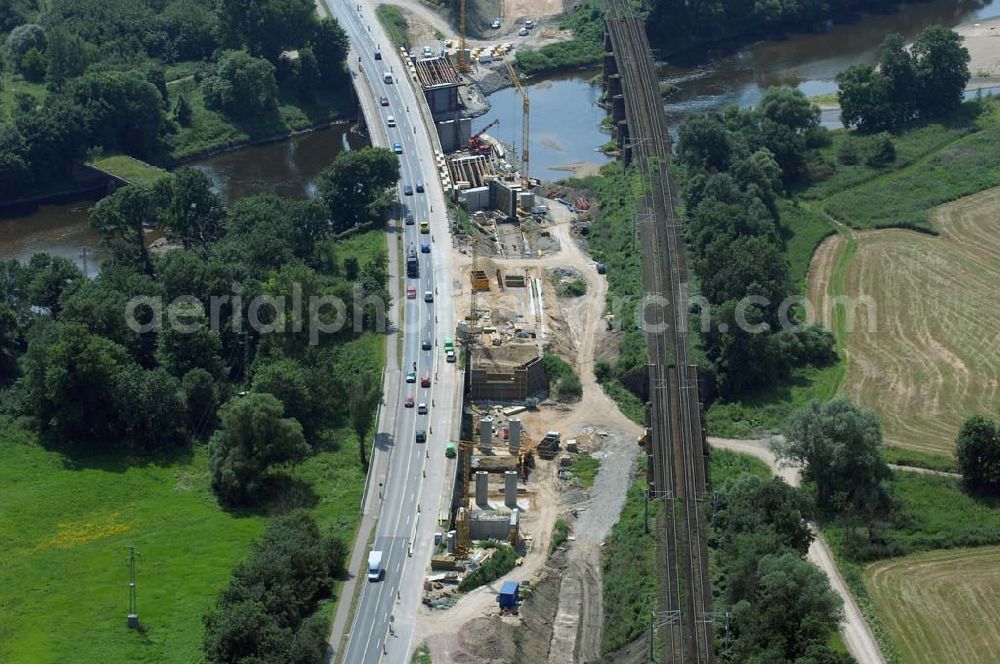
[(70, 385), (128, 111), (191, 26), (188, 210), (11, 344), (254, 437), (242, 85), (48, 278), (13, 13), (32, 65), (788, 608), (54, 135), (268, 613), (15, 172), (355, 186), (289, 381), (156, 415), (896, 64), (942, 65), (747, 265), (978, 453), (241, 633), (192, 345), (362, 398), (705, 143), (66, 58), (120, 218), (330, 46), (751, 505), (309, 75), (880, 151), (183, 112), (22, 39), (267, 27), (789, 107), (742, 350), (840, 448), (259, 233), (101, 303), (201, 396), (865, 98)]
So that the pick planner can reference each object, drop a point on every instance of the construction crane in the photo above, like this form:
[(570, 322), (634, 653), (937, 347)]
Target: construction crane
[(478, 146), (525, 114), (463, 65), (466, 448)]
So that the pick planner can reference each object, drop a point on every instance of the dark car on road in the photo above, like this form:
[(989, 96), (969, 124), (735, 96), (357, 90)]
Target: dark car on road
[(420, 187), (407, 190), (421, 436)]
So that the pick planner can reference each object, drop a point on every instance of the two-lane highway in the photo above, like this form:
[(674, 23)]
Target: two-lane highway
[(411, 487)]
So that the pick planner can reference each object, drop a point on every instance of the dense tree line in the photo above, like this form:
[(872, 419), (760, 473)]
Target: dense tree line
[(93, 382), (737, 163), (102, 62), (677, 25), (778, 607), (269, 611), (926, 81)]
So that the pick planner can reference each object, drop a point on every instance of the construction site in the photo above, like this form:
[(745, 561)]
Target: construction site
[(512, 470)]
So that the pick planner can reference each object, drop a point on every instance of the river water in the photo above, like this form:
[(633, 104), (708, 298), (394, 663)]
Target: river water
[(286, 168), (715, 79), (565, 118)]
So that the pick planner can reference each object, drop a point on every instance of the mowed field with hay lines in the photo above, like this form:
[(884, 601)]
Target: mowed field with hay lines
[(932, 358), (941, 606)]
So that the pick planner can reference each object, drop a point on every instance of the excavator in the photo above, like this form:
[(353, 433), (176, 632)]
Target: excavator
[(477, 145)]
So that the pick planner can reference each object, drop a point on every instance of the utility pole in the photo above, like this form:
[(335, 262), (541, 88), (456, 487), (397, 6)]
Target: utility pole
[(86, 270), (133, 611), (645, 509), (652, 623)]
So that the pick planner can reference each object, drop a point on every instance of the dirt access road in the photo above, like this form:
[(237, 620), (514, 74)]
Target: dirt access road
[(425, 22), (857, 636), (576, 629)]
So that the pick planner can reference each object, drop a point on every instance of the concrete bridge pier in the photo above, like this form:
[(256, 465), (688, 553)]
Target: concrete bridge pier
[(623, 142)]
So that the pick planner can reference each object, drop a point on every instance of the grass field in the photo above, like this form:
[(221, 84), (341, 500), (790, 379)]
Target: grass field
[(129, 168), (395, 24), (65, 528), (942, 606), (932, 358), (64, 533)]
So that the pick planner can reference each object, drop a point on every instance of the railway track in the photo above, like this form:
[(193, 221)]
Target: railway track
[(676, 447)]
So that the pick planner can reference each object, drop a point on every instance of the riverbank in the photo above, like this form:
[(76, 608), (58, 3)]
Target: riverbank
[(982, 38)]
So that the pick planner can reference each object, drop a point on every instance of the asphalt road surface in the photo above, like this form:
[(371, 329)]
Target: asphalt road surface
[(411, 486)]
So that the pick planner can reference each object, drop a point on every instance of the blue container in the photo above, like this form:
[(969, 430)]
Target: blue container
[(507, 599)]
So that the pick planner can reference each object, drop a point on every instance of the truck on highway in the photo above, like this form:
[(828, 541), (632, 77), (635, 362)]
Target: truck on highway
[(375, 569), (412, 262), (449, 349)]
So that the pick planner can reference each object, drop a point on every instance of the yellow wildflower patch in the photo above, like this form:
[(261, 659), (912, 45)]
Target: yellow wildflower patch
[(74, 534)]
